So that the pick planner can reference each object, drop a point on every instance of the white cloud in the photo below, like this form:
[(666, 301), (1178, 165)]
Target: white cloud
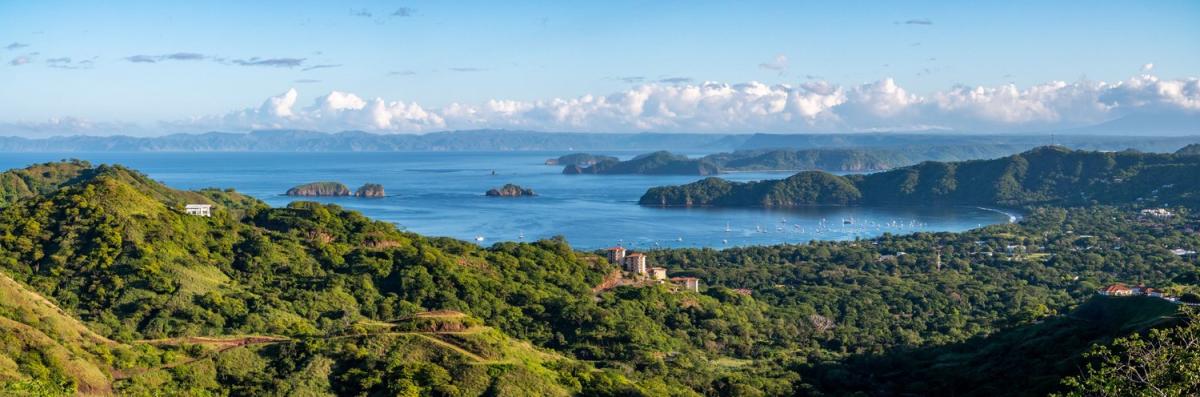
[(813, 106)]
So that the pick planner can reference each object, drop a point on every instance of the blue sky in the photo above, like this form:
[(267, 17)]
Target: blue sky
[(237, 54)]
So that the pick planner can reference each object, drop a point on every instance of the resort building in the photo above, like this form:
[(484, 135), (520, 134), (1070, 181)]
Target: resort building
[(690, 283), (658, 273), (616, 255), (1117, 289), (204, 210), (635, 263), (1158, 212)]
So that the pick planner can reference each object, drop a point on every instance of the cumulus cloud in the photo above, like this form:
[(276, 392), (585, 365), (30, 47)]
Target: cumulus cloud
[(20, 60), (15, 45), (811, 106)]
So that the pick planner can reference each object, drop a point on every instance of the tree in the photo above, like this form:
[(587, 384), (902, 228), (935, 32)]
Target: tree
[(1165, 363)]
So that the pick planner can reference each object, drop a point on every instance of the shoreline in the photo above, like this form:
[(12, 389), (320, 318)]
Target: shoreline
[(1013, 217)]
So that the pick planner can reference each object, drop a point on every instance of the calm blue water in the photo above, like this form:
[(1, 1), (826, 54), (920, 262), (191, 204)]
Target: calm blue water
[(441, 194)]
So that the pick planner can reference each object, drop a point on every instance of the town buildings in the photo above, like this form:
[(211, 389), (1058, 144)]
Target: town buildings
[(635, 265)]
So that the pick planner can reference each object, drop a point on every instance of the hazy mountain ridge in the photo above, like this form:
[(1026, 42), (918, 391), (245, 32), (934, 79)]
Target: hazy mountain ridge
[(507, 140)]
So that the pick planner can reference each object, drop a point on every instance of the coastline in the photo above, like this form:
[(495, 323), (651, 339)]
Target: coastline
[(1013, 217)]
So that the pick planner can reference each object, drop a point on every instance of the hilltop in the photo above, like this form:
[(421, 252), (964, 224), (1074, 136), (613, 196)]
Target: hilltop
[(1049, 175), (656, 163)]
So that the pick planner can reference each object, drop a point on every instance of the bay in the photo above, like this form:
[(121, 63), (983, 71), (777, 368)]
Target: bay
[(442, 194)]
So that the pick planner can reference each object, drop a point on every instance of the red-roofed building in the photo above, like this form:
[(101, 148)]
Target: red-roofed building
[(1117, 289), (616, 255)]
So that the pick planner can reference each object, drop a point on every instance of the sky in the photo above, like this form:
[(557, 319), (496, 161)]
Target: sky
[(149, 68)]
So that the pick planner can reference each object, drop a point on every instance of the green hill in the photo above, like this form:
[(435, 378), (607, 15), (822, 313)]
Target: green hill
[(115, 250), (1024, 361), (1043, 176), (38, 179), (311, 299), (656, 163)]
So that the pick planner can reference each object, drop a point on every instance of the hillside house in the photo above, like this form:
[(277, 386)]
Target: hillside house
[(658, 273), (616, 255), (204, 210), (1157, 212), (690, 283), (1117, 289), (636, 263)]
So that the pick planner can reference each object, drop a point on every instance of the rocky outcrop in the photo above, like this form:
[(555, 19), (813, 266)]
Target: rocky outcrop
[(320, 189), (510, 190), (370, 190)]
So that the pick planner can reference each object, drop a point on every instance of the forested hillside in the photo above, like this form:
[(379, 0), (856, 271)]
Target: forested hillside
[(311, 299), (1044, 176)]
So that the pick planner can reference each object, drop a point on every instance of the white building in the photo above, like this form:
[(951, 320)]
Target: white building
[(1182, 252), (204, 210), (1158, 212), (658, 273), (636, 263), (616, 255)]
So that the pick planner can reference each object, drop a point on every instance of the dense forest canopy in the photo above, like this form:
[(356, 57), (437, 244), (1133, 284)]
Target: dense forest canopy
[(318, 300)]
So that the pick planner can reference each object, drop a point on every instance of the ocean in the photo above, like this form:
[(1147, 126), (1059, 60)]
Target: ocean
[(442, 194)]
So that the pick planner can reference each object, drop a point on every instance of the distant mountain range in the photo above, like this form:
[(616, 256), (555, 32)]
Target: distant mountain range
[(507, 140)]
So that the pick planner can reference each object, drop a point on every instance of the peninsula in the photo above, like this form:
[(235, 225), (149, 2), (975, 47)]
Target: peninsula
[(1050, 175)]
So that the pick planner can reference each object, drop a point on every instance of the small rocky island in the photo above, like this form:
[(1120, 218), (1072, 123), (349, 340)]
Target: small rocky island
[(320, 189), (370, 190), (335, 189), (510, 190)]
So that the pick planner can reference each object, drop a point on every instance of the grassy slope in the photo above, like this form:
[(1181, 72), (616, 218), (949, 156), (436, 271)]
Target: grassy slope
[(115, 242), (41, 343)]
